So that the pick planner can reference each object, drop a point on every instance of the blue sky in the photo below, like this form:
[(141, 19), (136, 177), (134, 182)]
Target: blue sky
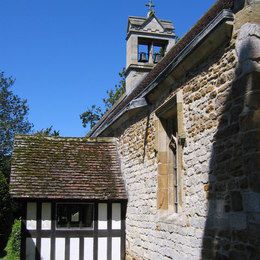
[(65, 54)]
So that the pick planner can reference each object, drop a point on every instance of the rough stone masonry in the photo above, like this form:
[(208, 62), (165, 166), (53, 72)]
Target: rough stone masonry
[(220, 161)]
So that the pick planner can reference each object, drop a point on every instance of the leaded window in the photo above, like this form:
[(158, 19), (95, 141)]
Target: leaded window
[(74, 216)]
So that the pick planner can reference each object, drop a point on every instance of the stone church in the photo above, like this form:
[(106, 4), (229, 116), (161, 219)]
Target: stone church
[(172, 171)]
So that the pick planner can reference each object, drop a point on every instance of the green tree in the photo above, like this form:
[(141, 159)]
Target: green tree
[(13, 120), (114, 94), (14, 242), (13, 115), (5, 212), (5, 165), (92, 115), (49, 131)]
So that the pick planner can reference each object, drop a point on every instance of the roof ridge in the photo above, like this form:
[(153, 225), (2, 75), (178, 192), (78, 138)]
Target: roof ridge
[(63, 138)]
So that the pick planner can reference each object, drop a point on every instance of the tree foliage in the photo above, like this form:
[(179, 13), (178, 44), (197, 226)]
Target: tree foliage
[(5, 211), (114, 94), (93, 114), (49, 131), (14, 242), (13, 115), (13, 120), (5, 165)]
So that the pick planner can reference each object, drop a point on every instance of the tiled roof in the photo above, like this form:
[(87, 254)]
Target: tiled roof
[(66, 168), (216, 9)]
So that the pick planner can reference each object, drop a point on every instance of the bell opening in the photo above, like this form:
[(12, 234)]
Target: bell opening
[(143, 53)]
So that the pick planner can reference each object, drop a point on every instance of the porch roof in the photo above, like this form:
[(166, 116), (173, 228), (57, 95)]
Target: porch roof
[(66, 168)]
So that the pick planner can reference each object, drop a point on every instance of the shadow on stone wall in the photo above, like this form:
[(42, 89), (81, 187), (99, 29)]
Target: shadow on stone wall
[(146, 135), (232, 229)]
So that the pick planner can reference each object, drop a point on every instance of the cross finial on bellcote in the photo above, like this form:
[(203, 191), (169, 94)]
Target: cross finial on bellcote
[(150, 6)]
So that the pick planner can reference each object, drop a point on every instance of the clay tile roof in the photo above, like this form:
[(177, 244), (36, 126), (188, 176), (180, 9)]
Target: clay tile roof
[(66, 168)]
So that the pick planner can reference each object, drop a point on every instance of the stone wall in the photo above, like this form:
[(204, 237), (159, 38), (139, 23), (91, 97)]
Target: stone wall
[(220, 210)]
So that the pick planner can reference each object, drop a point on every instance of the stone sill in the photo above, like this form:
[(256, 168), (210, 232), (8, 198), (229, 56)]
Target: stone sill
[(171, 217)]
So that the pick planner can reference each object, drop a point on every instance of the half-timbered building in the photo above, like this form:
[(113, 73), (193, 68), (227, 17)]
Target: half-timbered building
[(72, 195)]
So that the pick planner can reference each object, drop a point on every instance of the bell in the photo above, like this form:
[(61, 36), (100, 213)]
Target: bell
[(143, 57), (157, 57)]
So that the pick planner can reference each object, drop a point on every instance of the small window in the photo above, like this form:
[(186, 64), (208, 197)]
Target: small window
[(74, 216), (170, 142)]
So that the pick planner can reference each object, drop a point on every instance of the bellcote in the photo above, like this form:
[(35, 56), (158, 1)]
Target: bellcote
[(148, 40), (150, 24)]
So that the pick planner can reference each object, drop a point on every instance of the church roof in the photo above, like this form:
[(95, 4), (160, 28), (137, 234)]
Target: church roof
[(163, 65), (66, 168)]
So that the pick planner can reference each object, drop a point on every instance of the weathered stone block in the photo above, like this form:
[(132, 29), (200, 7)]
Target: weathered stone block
[(162, 181), (220, 256), (163, 169), (251, 201), (238, 221), (250, 120), (162, 157), (162, 199), (251, 141), (236, 201), (237, 255)]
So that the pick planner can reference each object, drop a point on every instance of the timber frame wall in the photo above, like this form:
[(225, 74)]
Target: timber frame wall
[(54, 233)]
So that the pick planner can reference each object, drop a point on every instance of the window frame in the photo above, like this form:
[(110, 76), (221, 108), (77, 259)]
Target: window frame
[(80, 205), (171, 110)]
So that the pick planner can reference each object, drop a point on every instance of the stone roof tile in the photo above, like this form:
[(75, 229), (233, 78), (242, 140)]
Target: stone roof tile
[(66, 168)]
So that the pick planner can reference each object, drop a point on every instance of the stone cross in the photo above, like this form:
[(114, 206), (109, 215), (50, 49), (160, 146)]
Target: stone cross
[(150, 6)]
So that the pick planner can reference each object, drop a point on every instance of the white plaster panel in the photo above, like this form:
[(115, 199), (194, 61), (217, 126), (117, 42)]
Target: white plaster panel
[(102, 216), (88, 248), (45, 249), (102, 248), (116, 216), (46, 216), (30, 248), (60, 248), (116, 248), (74, 248), (31, 216)]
